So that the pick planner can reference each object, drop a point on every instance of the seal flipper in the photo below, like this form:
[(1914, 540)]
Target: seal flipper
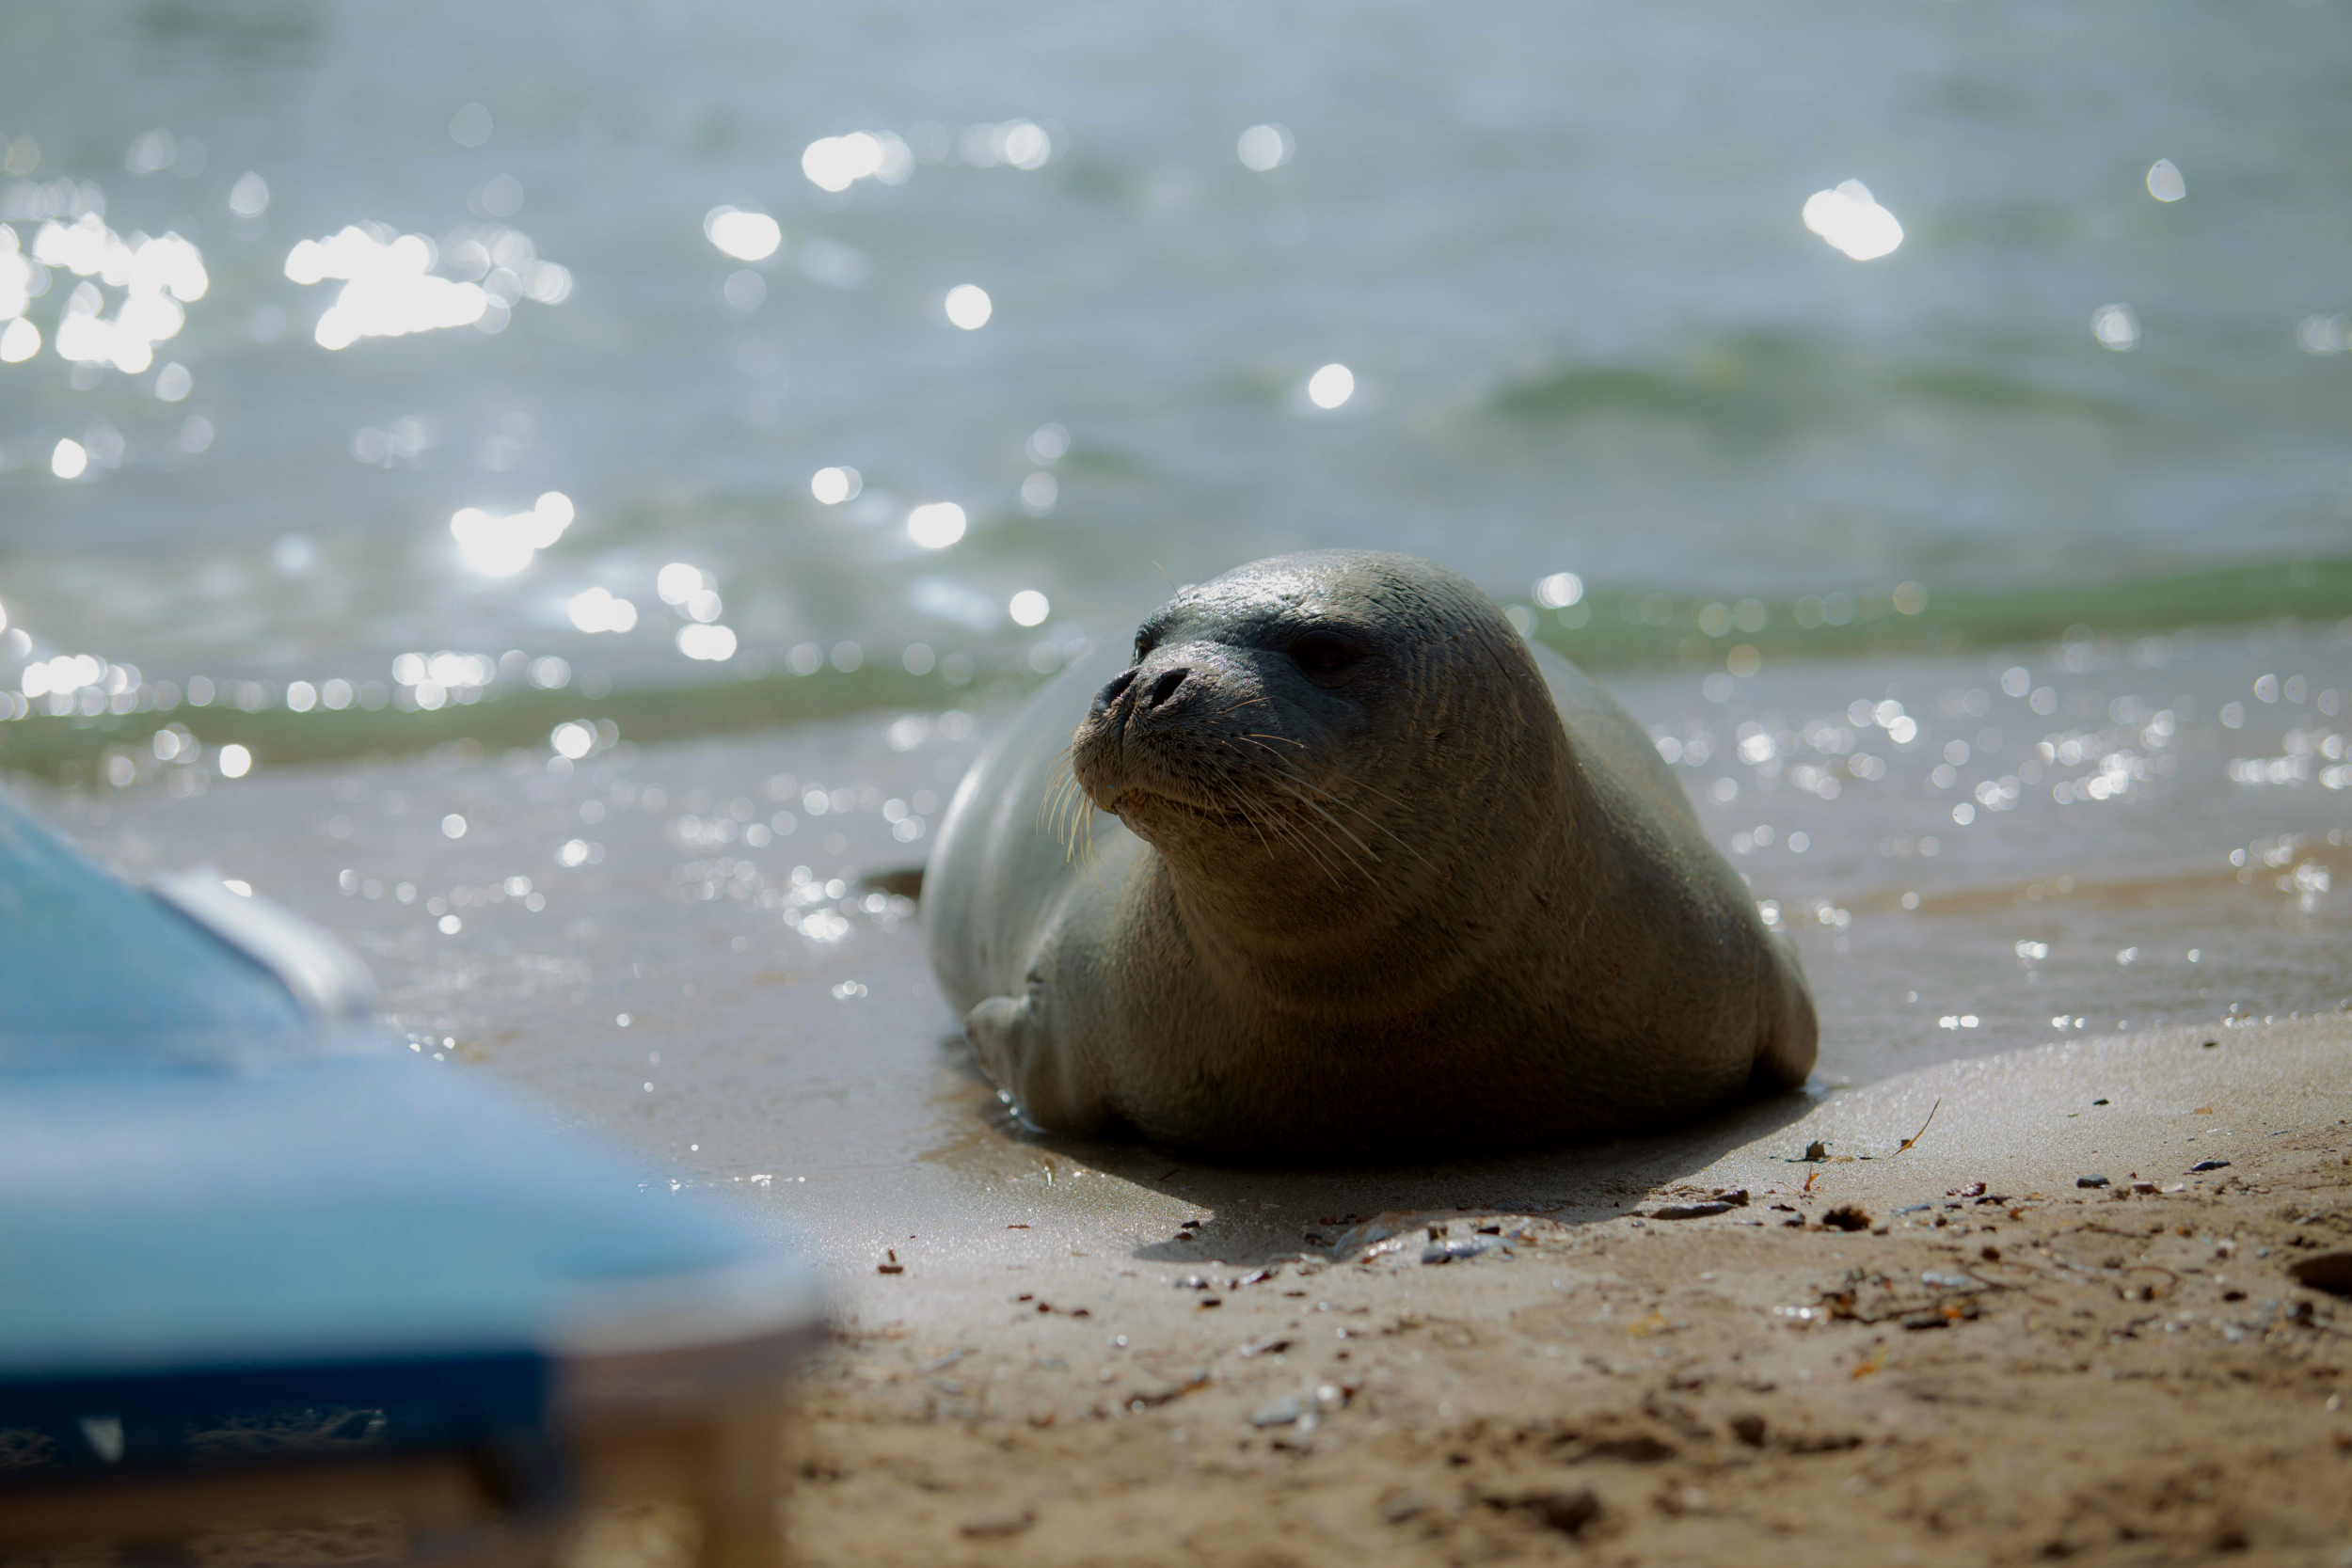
[(1017, 1050)]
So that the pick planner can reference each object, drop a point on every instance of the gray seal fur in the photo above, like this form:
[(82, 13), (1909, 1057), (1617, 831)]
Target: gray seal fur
[(1357, 875)]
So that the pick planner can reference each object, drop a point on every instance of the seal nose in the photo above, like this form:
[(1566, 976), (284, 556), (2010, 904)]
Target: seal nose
[(1116, 690), (1164, 688)]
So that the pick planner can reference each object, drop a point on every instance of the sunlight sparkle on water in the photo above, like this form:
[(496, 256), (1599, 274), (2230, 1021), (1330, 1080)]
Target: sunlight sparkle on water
[(969, 307), (235, 761), (1265, 148), (836, 163), (2164, 183), (597, 609), (158, 275), (745, 236), (831, 486), (501, 547), (2116, 326), (678, 582), (1851, 221), (1029, 607), (69, 459), (705, 641), (390, 290), (1558, 589), (936, 524), (1331, 385)]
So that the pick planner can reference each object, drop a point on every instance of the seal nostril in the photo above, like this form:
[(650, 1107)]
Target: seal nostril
[(1117, 687), (1164, 688)]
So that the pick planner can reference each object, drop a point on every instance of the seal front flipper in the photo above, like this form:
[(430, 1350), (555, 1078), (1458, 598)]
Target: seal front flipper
[(1015, 1045)]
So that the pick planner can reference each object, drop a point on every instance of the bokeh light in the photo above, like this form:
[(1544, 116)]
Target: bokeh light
[(831, 486), (969, 307), (1264, 148), (936, 524), (745, 236), (1331, 385), (1850, 219), (1029, 607), (2116, 326)]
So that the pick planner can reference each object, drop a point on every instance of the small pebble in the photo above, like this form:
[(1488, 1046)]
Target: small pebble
[(2090, 1182), (2208, 1164), (1278, 1413)]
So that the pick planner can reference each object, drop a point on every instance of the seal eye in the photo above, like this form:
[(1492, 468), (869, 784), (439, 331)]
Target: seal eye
[(1325, 658)]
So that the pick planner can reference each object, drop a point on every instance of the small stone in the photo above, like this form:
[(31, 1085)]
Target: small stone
[(1847, 1216), (1279, 1413), (1689, 1210), (2090, 1182), (2143, 1187), (1749, 1429), (2208, 1164), (1816, 1153)]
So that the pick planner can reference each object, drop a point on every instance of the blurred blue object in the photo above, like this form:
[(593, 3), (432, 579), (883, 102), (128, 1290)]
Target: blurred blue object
[(227, 1205)]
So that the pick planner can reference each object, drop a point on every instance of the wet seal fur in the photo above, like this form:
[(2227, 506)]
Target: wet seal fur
[(1356, 874)]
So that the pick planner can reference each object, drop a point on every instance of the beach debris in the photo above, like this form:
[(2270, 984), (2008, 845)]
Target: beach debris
[(941, 1363), (1923, 1126), (996, 1522), (1973, 1188), (1816, 1153), (1952, 1281), (1398, 1506), (2143, 1187), (1690, 1210), (2090, 1182), (1915, 1207), (1847, 1216), (890, 1263), (2330, 1271), (1565, 1509), (1455, 1251), (1192, 1282), (1272, 1344), (1749, 1429), (2209, 1164)]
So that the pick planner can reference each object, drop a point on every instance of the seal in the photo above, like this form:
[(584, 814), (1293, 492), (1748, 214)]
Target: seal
[(1338, 868)]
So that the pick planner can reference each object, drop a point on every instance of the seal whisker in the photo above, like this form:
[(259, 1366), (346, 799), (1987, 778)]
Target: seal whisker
[(1289, 832), (1291, 775)]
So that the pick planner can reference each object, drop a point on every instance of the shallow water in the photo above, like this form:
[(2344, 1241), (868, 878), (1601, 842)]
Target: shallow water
[(638, 940)]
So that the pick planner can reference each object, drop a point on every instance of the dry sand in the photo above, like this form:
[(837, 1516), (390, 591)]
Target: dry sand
[(2026, 1370)]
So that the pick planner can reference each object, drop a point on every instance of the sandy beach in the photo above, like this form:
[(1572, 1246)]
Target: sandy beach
[(1994, 1364), (1053, 1351)]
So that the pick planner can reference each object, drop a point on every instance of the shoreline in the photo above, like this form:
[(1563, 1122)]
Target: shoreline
[(1617, 630)]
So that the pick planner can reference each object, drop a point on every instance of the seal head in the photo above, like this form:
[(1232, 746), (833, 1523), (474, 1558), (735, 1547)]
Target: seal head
[(1371, 882)]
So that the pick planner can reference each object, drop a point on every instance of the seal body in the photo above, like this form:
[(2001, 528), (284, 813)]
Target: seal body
[(1335, 867)]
